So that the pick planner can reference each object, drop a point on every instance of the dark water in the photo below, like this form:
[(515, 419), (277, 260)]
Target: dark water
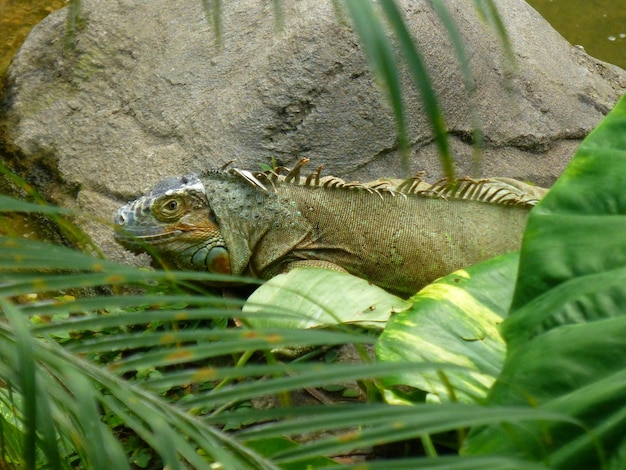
[(17, 17), (598, 25)]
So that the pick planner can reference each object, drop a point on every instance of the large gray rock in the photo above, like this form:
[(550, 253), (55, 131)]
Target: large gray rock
[(146, 93)]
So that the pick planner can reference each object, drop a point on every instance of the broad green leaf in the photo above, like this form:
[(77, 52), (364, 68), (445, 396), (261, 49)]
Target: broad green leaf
[(566, 333), (314, 299), (454, 321), (577, 229)]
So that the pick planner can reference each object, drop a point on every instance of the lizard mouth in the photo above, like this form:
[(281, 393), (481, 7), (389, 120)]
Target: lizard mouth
[(138, 237), (180, 245), (204, 255), (138, 240)]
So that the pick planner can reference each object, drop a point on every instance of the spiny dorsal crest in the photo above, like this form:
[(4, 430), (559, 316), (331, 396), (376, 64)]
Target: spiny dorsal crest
[(495, 190)]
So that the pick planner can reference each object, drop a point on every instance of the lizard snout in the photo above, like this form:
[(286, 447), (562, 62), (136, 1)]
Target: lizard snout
[(120, 217)]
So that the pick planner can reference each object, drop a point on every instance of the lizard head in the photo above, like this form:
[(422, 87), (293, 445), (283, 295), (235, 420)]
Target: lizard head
[(174, 223)]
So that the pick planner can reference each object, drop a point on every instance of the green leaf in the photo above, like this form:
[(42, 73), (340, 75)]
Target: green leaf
[(298, 376), (8, 204), (380, 54), (311, 297), (27, 266), (489, 13), (468, 79), (422, 81), (28, 385), (108, 455), (566, 333), (454, 321)]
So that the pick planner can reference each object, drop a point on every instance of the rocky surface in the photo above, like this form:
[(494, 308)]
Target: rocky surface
[(147, 93)]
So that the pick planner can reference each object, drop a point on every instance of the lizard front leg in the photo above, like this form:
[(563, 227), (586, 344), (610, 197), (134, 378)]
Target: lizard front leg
[(313, 263)]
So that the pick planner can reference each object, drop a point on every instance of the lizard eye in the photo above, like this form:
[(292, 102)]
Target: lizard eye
[(169, 208)]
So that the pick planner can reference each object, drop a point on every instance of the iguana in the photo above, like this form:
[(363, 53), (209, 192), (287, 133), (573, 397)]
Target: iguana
[(398, 234)]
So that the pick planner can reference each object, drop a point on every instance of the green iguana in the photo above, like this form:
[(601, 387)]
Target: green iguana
[(400, 235)]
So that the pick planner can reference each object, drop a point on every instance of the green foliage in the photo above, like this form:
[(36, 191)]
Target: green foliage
[(154, 378), (566, 331), (150, 375), (454, 320), (114, 360), (107, 366)]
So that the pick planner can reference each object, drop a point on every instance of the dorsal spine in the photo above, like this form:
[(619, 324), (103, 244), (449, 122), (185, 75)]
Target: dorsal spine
[(479, 190)]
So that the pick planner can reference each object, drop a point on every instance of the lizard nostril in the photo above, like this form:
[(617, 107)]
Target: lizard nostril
[(120, 219)]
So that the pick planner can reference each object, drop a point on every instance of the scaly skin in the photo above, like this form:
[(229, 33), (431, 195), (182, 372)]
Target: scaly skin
[(400, 235)]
